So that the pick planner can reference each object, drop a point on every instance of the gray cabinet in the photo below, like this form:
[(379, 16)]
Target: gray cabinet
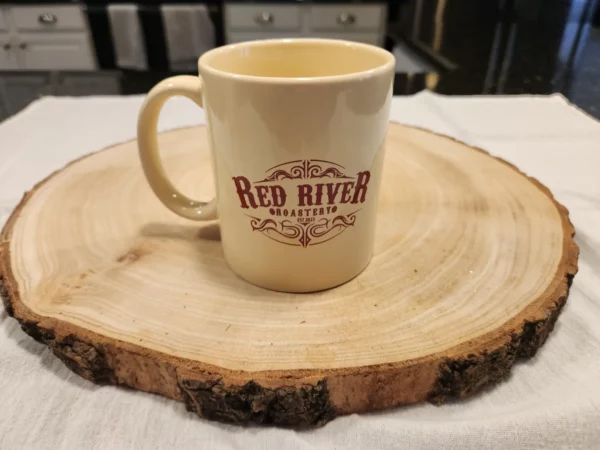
[(8, 54), (47, 17), (3, 26), (46, 49), (347, 18), (348, 21), (45, 37), (263, 17), (63, 51)]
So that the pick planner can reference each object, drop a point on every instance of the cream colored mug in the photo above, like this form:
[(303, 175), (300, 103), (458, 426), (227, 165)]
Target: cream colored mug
[(297, 130)]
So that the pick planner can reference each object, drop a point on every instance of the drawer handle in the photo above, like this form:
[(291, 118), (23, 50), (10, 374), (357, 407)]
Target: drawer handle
[(47, 19), (7, 46), (264, 18), (346, 19), (23, 45)]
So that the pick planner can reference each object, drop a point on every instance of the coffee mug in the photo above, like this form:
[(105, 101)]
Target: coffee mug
[(297, 130)]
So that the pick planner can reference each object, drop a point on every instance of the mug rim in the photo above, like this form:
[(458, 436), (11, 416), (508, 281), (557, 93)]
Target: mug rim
[(389, 64)]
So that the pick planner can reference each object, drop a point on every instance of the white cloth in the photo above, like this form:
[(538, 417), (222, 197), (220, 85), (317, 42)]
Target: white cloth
[(189, 33), (550, 402), (130, 47)]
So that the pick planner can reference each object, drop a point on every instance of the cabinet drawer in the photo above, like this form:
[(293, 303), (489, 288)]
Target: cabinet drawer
[(55, 51), (262, 17), (242, 36), (2, 21), (48, 18), (346, 17), (8, 56)]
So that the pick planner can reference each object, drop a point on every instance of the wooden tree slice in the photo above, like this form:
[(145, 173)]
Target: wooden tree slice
[(472, 265)]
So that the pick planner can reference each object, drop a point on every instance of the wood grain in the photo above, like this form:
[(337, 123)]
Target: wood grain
[(472, 265)]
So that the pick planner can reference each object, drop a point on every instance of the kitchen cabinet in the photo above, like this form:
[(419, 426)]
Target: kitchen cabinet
[(64, 51), (261, 17), (2, 21), (348, 21), (45, 37), (242, 36), (365, 38), (8, 55), (346, 18), (45, 18)]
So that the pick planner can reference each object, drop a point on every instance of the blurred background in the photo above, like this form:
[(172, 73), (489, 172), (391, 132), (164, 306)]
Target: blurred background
[(454, 47)]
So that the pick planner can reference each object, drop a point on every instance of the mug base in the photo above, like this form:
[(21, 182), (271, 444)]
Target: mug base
[(298, 286)]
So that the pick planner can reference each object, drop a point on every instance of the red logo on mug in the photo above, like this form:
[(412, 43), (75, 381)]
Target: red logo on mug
[(302, 214)]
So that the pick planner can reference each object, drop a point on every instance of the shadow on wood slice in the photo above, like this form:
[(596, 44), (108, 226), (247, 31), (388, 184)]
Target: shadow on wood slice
[(472, 265)]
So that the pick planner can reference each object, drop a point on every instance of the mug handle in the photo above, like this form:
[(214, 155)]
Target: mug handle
[(190, 87)]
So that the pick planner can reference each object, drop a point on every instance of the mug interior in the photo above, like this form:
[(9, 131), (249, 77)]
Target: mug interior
[(296, 58)]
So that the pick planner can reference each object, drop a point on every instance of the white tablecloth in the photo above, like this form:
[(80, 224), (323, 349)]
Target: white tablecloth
[(551, 401)]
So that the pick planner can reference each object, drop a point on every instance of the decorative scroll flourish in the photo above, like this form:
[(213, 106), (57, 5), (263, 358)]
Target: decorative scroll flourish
[(305, 169), (303, 234)]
